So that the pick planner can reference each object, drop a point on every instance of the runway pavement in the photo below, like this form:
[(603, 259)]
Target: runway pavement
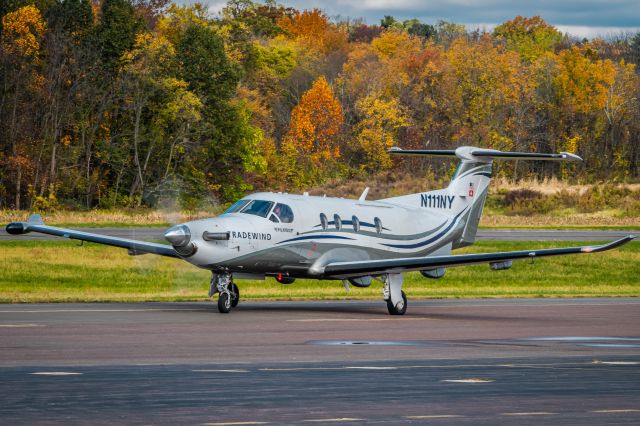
[(155, 234), (519, 361)]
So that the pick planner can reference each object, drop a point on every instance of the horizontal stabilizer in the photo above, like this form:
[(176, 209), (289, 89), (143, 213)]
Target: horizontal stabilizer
[(486, 155), (524, 155), (432, 152)]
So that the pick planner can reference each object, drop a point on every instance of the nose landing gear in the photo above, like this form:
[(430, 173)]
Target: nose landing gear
[(229, 292)]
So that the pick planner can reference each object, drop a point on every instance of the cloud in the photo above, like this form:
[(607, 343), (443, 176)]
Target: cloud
[(576, 15), (582, 18)]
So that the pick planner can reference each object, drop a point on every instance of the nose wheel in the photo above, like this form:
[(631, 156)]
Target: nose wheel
[(229, 294)]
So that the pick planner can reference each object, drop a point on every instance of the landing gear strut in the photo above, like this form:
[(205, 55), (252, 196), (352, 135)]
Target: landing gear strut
[(229, 293), (393, 294)]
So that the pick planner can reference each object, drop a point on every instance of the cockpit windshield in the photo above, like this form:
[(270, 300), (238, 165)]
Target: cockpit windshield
[(235, 207), (258, 208)]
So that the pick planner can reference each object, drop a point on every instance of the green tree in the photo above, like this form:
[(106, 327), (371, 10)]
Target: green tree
[(530, 37), (70, 16), (205, 65), (228, 144), (116, 32)]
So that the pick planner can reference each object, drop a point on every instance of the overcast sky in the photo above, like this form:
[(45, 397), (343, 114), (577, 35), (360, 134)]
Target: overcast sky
[(583, 18)]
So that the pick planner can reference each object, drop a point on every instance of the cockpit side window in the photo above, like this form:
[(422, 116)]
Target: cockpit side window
[(284, 213), (258, 208), (236, 206)]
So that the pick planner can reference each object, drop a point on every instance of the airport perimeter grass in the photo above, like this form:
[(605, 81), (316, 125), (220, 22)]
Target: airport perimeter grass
[(64, 271)]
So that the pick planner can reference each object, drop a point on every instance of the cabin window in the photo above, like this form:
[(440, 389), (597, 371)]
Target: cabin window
[(236, 206), (323, 221), (284, 213), (337, 221), (258, 208), (356, 223), (378, 224)]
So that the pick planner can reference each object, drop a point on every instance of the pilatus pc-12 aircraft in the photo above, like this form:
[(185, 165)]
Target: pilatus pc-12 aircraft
[(301, 236)]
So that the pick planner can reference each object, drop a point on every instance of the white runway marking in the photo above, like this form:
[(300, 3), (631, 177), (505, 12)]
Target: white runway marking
[(532, 413), (21, 325), (472, 380), (407, 367), (56, 373), (371, 368), (220, 371), (629, 410), (616, 362), (338, 420)]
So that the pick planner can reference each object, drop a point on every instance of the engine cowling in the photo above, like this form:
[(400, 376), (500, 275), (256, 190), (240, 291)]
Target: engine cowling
[(434, 274)]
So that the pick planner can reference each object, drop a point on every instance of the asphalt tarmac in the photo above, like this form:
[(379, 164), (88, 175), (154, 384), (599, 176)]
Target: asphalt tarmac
[(155, 234), (519, 361)]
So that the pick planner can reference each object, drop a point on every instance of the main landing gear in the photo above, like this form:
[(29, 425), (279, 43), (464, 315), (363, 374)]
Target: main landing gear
[(393, 294), (229, 292)]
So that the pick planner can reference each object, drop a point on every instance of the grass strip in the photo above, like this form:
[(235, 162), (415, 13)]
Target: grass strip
[(64, 271)]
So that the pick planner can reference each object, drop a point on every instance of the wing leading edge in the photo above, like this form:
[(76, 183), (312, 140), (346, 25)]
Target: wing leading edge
[(35, 224), (375, 267)]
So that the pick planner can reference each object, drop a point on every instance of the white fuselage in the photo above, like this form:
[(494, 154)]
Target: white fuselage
[(353, 230)]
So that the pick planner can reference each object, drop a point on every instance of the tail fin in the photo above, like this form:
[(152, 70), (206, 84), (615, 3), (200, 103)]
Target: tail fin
[(469, 186)]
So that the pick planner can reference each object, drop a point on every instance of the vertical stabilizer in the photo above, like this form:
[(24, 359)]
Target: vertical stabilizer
[(465, 196)]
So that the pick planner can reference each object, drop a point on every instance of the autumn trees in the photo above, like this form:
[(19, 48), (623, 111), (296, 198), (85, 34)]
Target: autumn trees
[(121, 102), (312, 143)]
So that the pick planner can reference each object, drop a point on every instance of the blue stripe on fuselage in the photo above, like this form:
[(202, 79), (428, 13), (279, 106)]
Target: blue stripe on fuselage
[(315, 237), (430, 240)]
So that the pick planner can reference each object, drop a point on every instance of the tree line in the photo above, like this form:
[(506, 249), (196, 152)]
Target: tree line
[(108, 103)]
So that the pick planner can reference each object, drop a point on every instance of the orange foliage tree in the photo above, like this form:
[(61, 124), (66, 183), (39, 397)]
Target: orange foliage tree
[(312, 139), (313, 29), (22, 31)]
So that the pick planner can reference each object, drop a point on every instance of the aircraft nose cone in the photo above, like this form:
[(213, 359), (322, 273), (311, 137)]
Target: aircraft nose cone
[(178, 235)]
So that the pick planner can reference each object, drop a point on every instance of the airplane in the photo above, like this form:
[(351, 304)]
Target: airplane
[(288, 236)]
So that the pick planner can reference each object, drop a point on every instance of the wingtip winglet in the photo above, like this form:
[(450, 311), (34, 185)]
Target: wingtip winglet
[(608, 246), (35, 219), (571, 157)]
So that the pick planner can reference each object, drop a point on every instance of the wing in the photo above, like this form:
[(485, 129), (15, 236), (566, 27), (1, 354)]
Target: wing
[(35, 224), (377, 267)]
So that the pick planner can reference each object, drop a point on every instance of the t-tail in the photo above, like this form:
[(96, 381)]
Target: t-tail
[(465, 196)]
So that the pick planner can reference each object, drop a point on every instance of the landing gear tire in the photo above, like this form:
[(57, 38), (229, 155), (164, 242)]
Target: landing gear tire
[(224, 303), (397, 309), (235, 295)]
